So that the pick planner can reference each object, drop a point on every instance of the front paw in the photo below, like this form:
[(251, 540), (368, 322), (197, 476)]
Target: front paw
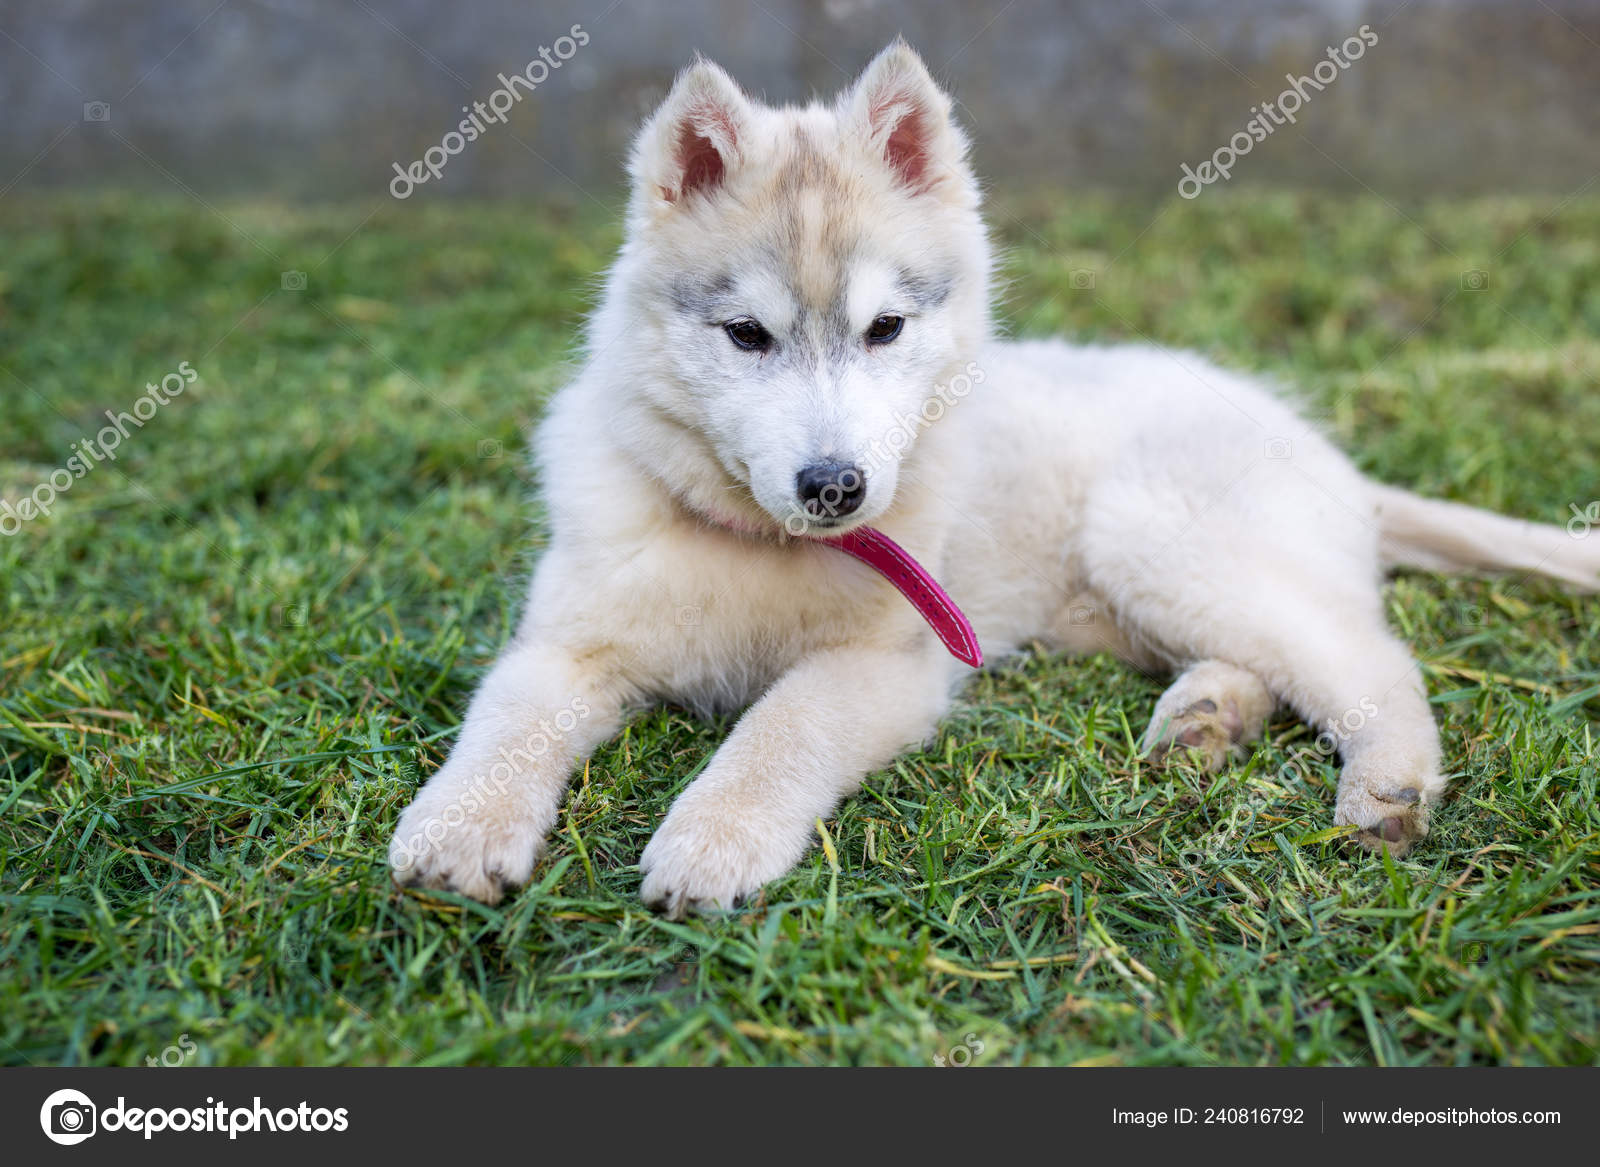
[(455, 838), (704, 858)]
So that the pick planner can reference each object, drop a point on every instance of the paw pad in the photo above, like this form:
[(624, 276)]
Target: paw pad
[(1203, 726)]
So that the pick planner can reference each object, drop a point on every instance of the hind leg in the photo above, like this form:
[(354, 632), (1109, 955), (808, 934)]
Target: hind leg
[(1280, 580), (1370, 699), (1391, 774), (1392, 771), (1214, 708), (1356, 684)]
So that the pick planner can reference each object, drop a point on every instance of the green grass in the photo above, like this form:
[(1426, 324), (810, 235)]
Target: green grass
[(229, 658)]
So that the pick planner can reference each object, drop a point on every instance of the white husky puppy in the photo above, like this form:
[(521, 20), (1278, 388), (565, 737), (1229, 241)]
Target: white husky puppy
[(792, 359)]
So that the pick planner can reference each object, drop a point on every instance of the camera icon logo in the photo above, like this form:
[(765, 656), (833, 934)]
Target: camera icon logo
[(97, 111), (1279, 449), (1081, 279), (292, 281), (68, 1117), (490, 449), (1475, 280), (1081, 614)]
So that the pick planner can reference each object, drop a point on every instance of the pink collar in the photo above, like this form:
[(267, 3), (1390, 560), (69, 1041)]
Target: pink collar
[(895, 564)]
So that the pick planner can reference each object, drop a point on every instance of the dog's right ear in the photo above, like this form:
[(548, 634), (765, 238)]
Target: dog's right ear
[(688, 145)]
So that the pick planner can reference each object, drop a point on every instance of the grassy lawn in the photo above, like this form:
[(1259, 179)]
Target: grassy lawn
[(230, 656)]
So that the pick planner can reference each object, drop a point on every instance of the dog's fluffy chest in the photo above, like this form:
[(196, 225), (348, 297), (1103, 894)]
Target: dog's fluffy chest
[(711, 617)]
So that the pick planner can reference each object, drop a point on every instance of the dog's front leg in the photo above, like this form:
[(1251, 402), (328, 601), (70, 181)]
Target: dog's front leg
[(827, 723), (479, 824)]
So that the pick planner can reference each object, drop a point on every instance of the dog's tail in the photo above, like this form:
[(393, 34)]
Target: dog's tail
[(1447, 536)]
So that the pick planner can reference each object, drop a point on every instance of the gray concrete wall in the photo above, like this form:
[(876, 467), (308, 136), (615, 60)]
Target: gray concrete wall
[(317, 98)]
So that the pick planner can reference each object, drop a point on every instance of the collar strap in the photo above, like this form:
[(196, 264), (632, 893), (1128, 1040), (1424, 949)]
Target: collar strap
[(895, 564)]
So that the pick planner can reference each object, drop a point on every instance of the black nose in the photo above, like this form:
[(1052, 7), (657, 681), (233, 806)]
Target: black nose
[(829, 490)]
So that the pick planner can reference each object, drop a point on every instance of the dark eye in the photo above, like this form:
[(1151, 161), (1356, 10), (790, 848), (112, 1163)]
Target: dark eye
[(884, 329), (748, 334)]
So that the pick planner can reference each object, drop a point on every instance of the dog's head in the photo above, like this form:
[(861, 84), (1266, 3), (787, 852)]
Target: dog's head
[(797, 289)]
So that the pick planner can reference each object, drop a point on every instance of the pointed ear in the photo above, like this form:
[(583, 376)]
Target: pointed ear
[(904, 118), (694, 139)]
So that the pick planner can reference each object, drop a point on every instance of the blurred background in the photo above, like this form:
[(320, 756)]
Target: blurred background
[(318, 98)]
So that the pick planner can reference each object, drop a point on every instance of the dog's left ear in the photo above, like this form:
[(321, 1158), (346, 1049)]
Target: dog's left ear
[(904, 117)]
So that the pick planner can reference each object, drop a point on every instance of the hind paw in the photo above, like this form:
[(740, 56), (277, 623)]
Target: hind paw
[(1213, 708), (1389, 814), (1204, 727)]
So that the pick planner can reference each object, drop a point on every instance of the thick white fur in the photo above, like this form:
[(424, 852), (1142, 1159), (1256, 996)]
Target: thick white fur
[(1127, 499)]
